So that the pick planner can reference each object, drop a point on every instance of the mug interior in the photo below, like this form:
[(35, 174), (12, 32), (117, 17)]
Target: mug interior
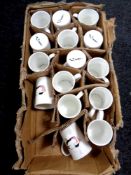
[(98, 67), (67, 39), (38, 61), (88, 17), (100, 98), (63, 81), (100, 132), (40, 19), (69, 106)]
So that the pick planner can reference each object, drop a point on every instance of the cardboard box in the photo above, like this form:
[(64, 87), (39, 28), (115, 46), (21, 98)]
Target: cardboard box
[(43, 155)]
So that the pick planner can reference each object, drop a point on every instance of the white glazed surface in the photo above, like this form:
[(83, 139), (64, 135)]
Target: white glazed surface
[(98, 67), (75, 141), (69, 106), (43, 94), (76, 59), (67, 39), (39, 41), (93, 39), (40, 19), (100, 132), (100, 98), (88, 17)]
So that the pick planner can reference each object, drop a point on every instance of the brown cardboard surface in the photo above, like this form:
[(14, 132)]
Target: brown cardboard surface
[(43, 155)]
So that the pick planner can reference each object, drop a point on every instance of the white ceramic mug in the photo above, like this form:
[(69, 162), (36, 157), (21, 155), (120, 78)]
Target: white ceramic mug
[(93, 39), (41, 20), (39, 41), (75, 142), (39, 61), (99, 132), (76, 59), (69, 105), (61, 18), (88, 17), (98, 68), (44, 98), (100, 99), (68, 38), (64, 81)]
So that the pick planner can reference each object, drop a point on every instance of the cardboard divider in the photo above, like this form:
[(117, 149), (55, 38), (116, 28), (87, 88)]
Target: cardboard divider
[(37, 131)]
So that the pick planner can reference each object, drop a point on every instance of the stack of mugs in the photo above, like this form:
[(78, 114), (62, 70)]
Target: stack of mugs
[(71, 45)]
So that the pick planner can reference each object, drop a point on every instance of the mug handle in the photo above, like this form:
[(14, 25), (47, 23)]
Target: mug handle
[(105, 80), (47, 30), (65, 64), (100, 115), (77, 77), (92, 112), (80, 94), (51, 56), (63, 151), (74, 29), (75, 15)]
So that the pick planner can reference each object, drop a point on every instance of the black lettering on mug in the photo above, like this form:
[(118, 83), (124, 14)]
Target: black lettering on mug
[(59, 20), (75, 59), (38, 40), (92, 38)]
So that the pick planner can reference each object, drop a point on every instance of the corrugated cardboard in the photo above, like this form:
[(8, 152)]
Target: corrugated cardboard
[(37, 131)]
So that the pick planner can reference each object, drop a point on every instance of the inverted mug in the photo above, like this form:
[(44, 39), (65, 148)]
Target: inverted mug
[(76, 59), (44, 98), (75, 142), (39, 41)]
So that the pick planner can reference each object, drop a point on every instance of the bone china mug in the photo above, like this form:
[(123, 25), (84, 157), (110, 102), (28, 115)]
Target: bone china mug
[(100, 99), (44, 98), (89, 17), (69, 105), (98, 68), (39, 61), (75, 142), (41, 20), (99, 132), (64, 81)]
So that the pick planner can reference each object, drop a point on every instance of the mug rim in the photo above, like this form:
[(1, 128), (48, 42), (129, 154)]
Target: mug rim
[(103, 60), (90, 99), (73, 96), (44, 12), (55, 77), (105, 123), (32, 56), (67, 30), (90, 9)]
